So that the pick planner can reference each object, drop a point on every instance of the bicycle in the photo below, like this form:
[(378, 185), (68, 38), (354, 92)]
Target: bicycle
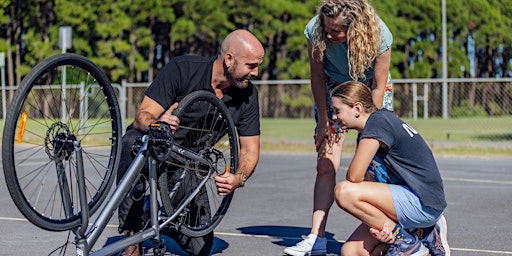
[(61, 147)]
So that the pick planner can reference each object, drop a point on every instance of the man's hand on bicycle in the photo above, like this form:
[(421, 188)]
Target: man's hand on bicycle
[(227, 182), (169, 118)]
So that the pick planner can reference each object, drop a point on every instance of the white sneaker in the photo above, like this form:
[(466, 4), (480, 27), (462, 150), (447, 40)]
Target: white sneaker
[(311, 245)]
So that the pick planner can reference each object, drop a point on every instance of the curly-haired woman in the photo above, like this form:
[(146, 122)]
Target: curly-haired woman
[(346, 41)]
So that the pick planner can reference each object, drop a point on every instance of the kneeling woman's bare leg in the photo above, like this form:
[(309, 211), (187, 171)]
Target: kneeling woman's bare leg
[(372, 203), (361, 242)]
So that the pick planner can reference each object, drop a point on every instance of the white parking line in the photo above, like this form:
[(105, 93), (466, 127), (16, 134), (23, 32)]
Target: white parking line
[(480, 181), (25, 220), (342, 241), (294, 238)]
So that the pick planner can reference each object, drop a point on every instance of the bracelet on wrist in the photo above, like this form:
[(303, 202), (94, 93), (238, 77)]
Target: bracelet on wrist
[(244, 178)]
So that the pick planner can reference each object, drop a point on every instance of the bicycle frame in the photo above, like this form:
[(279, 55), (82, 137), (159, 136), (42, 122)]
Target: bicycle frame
[(73, 145), (87, 237)]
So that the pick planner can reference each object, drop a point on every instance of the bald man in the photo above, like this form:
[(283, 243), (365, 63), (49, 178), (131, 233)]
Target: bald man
[(229, 77)]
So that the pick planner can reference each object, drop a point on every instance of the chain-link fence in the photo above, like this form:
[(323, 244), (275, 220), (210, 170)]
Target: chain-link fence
[(480, 107), (412, 98), (486, 101)]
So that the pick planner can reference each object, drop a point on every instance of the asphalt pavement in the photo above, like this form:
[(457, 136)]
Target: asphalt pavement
[(273, 211)]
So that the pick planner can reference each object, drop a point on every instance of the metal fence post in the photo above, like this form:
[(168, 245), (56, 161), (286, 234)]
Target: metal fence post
[(122, 98), (425, 101), (64, 43), (445, 61), (414, 101), (4, 100), (2, 67)]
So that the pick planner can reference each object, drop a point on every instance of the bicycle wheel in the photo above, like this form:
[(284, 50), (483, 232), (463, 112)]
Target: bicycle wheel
[(207, 129), (65, 99)]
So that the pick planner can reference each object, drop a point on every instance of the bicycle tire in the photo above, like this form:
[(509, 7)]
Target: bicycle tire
[(206, 127), (64, 98)]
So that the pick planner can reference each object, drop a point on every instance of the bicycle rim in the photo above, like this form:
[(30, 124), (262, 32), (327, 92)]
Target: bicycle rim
[(207, 129), (64, 99)]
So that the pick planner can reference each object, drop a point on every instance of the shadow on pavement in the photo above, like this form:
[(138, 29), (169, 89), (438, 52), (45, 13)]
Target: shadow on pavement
[(288, 236), (171, 247), (291, 235)]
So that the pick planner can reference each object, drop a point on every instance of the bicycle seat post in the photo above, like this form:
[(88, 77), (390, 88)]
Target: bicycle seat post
[(81, 244), (84, 208), (157, 241)]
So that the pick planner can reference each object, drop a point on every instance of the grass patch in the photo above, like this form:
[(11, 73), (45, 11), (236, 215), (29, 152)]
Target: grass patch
[(476, 129), (472, 151), (467, 136), (469, 129)]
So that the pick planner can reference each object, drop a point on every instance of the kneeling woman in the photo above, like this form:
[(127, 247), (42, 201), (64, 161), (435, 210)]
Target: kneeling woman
[(400, 197)]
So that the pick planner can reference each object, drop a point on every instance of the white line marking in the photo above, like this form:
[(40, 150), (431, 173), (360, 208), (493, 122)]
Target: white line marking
[(272, 237), (342, 241), (25, 220), (479, 181)]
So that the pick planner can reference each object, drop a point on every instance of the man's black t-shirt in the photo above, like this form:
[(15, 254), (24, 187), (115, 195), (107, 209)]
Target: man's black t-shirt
[(186, 74)]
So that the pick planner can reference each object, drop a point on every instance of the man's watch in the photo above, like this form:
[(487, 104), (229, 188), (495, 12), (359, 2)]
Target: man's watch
[(244, 178)]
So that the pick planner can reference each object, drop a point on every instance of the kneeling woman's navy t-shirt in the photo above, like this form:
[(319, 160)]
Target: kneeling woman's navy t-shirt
[(407, 157)]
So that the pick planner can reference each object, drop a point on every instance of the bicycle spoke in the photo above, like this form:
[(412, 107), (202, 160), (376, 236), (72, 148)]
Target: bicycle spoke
[(48, 118)]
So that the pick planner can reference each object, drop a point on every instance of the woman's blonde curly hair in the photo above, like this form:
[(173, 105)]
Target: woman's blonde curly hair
[(363, 32)]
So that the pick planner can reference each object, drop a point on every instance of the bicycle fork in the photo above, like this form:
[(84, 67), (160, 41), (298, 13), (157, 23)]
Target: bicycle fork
[(158, 243)]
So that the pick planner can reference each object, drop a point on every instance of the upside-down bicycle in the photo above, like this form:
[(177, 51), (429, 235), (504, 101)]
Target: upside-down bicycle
[(61, 148)]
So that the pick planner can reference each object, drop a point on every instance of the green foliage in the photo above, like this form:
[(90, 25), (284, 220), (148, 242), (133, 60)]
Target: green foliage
[(141, 63), (4, 18), (183, 30), (496, 109), (123, 34), (466, 109), (421, 69), (302, 99)]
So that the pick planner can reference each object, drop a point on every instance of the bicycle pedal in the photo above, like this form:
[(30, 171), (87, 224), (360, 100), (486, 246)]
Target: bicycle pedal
[(159, 247), (138, 192)]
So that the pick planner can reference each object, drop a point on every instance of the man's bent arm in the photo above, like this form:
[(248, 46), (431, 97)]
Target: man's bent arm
[(149, 111), (249, 154)]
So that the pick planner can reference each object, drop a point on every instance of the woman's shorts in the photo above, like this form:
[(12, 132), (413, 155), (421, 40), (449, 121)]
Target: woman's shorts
[(409, 210)]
